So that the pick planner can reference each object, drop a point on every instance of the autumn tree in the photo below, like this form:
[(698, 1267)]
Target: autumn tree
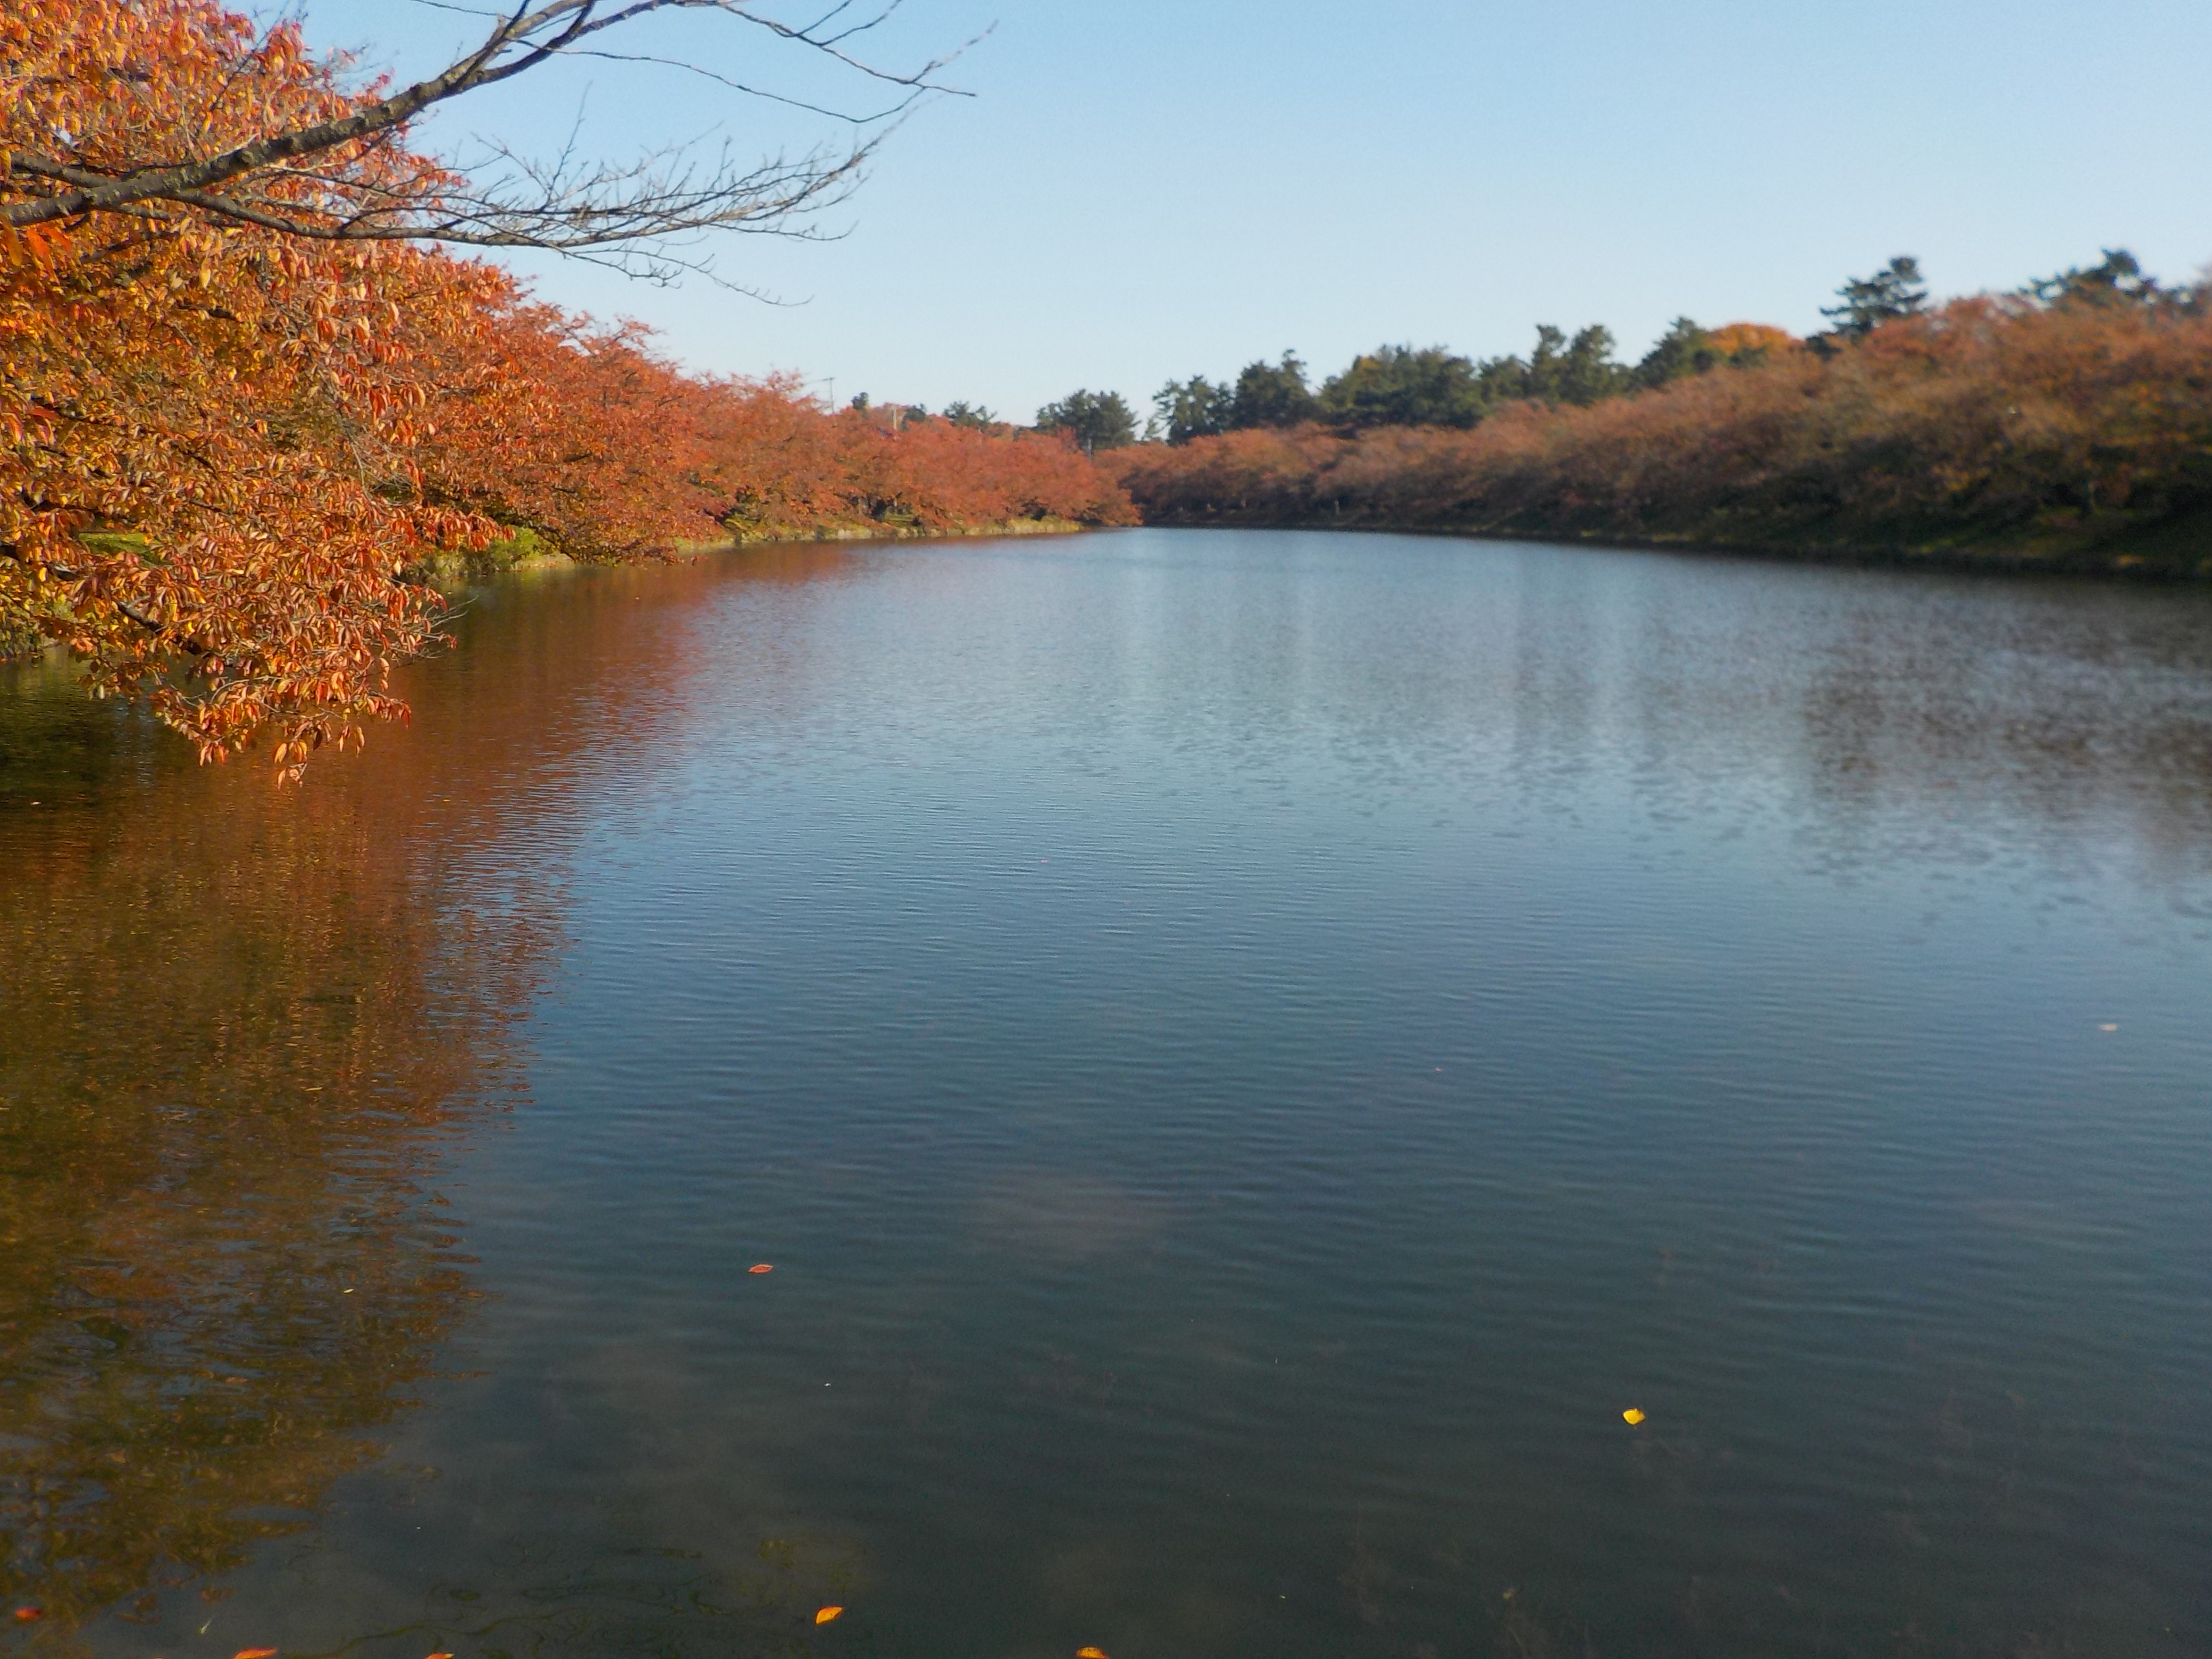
[(247, 390), (2073, 433), (1746, 345), (1685, 350)]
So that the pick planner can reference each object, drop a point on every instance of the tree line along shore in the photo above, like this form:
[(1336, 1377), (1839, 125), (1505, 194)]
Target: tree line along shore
[(257, 390), (2066, 425)]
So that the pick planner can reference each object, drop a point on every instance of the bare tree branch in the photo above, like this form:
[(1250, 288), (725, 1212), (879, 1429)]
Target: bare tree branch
[(656, 199), (314, 180), (884, 114)]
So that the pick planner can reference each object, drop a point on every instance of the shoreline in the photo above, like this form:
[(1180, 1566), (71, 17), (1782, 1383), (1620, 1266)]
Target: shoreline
[(2117, 559), (536, 555)]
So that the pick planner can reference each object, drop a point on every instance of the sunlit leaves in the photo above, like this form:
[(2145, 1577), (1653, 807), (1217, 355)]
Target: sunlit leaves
[(227, 454)]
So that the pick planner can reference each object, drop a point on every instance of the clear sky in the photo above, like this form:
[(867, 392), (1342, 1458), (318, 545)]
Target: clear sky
[(1156, 188)]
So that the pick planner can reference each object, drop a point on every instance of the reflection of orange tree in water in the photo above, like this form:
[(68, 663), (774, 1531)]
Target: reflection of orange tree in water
[(218, 1266), (231, 1042), (238, 1027)]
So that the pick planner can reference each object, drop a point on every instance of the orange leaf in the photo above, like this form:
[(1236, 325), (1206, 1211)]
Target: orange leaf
[(26, 1615), (1090, 1653), (761, 1268), (827, 1614), (255, 1653)]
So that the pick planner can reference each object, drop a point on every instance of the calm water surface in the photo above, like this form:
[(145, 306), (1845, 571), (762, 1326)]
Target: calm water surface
[(1246, 1053)]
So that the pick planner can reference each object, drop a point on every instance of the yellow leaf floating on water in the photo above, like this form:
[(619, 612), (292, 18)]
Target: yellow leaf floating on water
[(1631, 1416), (827, 1614), (1090, 1653), (255, 1653)]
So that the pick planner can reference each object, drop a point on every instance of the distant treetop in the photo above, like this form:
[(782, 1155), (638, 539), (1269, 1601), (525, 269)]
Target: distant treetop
[(961, 412), (1734, 339), (1432, 385), (1867, 302), (1095, 420), (2116, 279)]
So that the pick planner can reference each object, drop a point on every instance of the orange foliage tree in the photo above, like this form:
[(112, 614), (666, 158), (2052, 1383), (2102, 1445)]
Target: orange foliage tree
[(242, 404), (2077, 432)]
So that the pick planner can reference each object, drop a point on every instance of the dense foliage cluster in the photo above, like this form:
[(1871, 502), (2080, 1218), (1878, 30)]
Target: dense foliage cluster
[(1095, 420), (2072, 421), (1403, 385), (227, 450)]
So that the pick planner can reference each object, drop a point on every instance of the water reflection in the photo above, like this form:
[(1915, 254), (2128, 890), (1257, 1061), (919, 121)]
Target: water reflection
[(238, 1033), (1247, 1052), (226, 1066)]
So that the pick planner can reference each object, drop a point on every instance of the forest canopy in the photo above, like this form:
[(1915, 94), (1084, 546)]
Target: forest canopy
[(2068, 421), (1433, 386)]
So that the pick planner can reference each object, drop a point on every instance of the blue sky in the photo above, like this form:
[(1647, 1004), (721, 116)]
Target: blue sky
[(1144, 190)]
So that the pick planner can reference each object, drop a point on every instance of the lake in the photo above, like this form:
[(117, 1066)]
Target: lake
[(1246, 1053)]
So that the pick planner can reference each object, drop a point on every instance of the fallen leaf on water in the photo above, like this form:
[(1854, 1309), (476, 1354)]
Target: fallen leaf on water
[(255, 1653), (761, 1268), (441, 1656), (26, 1615), (1090, 1653), (1631, 1416), (827, 1614)]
